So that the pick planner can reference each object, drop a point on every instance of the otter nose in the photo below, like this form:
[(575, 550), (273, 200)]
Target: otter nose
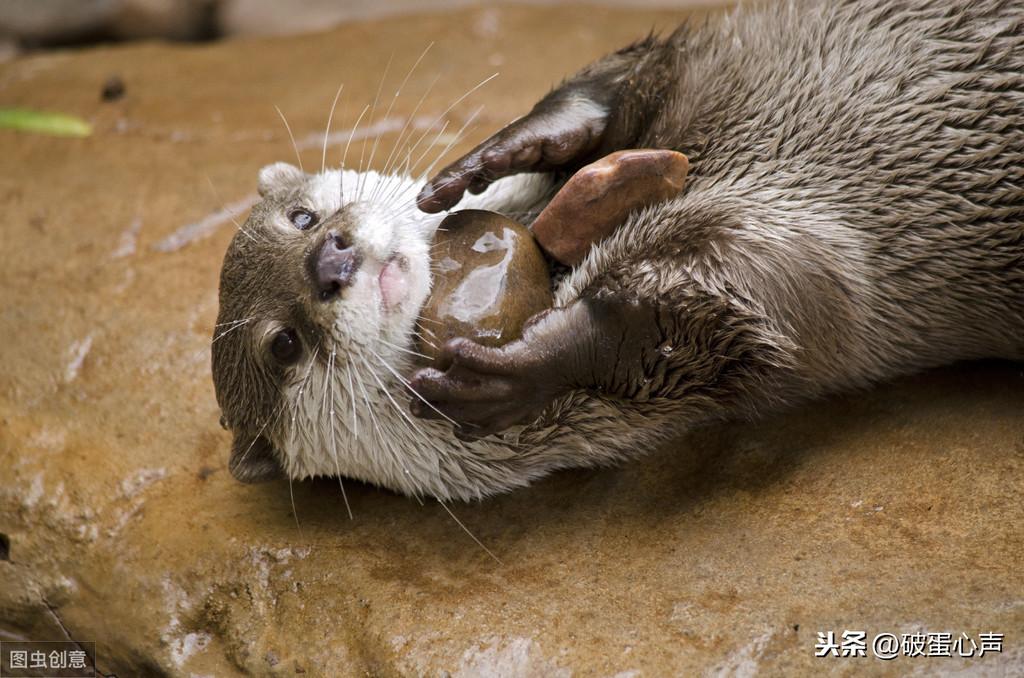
[(334, 266)]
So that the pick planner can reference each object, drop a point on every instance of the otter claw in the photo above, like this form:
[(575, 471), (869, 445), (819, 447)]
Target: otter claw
[(482, 390), (556, 133)]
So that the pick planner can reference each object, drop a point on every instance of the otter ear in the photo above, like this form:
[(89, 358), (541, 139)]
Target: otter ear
[(278, 176), (253, 461)]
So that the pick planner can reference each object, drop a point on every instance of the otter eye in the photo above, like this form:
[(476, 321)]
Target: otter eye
[(302, 219), (286, 347)]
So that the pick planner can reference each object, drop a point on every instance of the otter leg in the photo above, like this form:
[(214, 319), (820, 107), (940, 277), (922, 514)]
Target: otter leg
[(591, 343), (705, 352), (601, 109), (678, 309)]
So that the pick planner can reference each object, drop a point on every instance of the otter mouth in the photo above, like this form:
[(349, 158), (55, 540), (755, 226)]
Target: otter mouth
[(393, 282)]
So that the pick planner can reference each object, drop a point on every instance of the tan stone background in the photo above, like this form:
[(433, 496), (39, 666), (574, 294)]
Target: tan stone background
[(896, 509)]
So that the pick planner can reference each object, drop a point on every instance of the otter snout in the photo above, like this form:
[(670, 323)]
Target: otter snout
[(333, 265)]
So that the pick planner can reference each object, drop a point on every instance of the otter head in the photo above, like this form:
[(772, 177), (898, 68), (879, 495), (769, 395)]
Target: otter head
[(319, 294)]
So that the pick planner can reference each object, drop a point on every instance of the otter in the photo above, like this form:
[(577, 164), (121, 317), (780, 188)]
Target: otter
[(854, 212)]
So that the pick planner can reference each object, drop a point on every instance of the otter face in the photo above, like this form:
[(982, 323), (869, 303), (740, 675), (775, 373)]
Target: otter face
[(319, 295)]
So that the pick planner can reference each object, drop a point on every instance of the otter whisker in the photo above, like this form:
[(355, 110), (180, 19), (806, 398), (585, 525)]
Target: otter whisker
[(409, 157), (399, 191), (344, 154), (400, 378), (391, 106), (234, 322), (327, 384), (456, 139), (394, 402), (395, 189), (408, 164), (266, 422), (454, 104), (380, 436), (444, 184), (422, 338), (301, 390), (412, 150), (471, 535), (369, 408), (295, 513), (327, 132), (390, 446), (334, 446), (235, 326), (403, 350), (288, 127), (373, 109), (409, 121), (438, 245), (450, 180), (225, 208), (352, 395), (305, 379), (366, 400)]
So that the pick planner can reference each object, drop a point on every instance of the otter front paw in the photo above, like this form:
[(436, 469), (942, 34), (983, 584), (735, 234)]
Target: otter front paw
[(557, 132), (485, 390)]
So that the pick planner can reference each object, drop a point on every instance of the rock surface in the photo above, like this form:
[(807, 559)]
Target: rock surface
[(724, 553), (598, 199)]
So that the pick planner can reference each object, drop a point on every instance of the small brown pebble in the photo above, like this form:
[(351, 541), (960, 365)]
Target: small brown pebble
[(597, 199), (489, 279), (113, 89)]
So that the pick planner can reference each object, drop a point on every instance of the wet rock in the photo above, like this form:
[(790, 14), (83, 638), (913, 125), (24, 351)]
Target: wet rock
[(490, 278), (599, 197)]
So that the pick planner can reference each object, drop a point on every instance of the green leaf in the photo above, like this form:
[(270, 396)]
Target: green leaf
[(41, 122)]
